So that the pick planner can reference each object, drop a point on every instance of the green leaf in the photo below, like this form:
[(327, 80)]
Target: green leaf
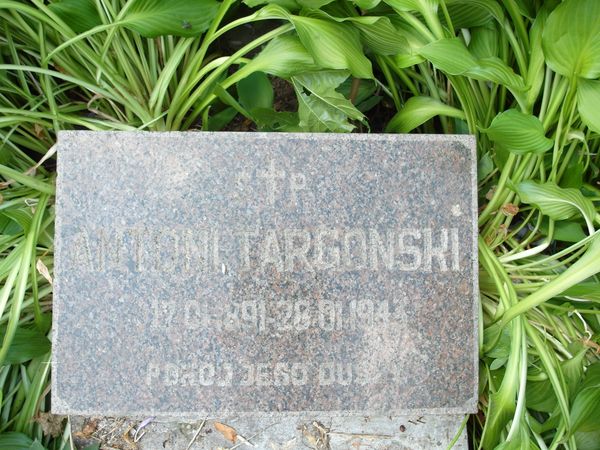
[(378, 33), (584, 291), (313, 4), (80, 15), (255, 91), (333, 45), (413, 5), (485, 165), (471, 13), (556, 202), (26, 180), (536, 71), (471, 9), (321, 107), (417, 111), (498, 363), (572, 368), (449, 55), (220, 120), (452, 57), (521, 440), (484, 42), (501, 349), (573, 175), (283, 56), (93, 447), (564, 231), (20, 216), (540, 396), (588, 100), (495, 70), (291, 5), (270, 120), (27, 344), (571, 40), (18, 441), (187, 18), (585, 412), (518, 133), (365, 5), (587, 441)]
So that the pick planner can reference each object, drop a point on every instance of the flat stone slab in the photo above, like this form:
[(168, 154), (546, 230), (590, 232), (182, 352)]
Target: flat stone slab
[(272, 433), (265, 275)]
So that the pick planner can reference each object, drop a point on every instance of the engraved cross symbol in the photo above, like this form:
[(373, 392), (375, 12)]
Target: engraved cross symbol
[(271, 175)]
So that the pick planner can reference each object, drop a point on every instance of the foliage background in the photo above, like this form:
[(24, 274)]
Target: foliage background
[(523, 75)]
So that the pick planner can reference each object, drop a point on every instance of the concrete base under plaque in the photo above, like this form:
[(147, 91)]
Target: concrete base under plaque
[(278, 432)]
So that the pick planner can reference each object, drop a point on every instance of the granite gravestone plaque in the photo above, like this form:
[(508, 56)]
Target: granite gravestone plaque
[(225, 273)]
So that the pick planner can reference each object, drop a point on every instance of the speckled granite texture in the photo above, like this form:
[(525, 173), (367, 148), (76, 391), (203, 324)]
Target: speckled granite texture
[(249, 273)]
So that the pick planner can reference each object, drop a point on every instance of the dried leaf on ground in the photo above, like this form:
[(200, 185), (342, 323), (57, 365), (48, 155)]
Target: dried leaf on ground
[(228, 432)]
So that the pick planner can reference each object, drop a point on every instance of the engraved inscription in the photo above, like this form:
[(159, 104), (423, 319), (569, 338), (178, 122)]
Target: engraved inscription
[(274, 315), (285, 250), (257, 374)]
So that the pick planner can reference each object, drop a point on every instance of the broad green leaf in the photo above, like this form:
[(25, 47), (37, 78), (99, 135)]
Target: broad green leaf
[(556, 202), (220, 120), (485, 165), (452, 57), (415, 43), (27, 344), (564, 231), (587, 441), (521, 440), (18, 441), (572, 368), (21, 216), (573, 175), (495, 70), (585, 412), (283, 56), (270, 120), (418, 110), (571, 40), (449, 55), (291, 5), (321, 107), (365, 97), (588, 102), (518, 133), (152, 18), (313, 4), (471, 10), (80, 15), (255, 91), (502, 401), (470, 13), (378, 33), (585, 291), (540, 396), (333, 45), (484, 41), (413, 5), (365, 5), (536, 71)]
